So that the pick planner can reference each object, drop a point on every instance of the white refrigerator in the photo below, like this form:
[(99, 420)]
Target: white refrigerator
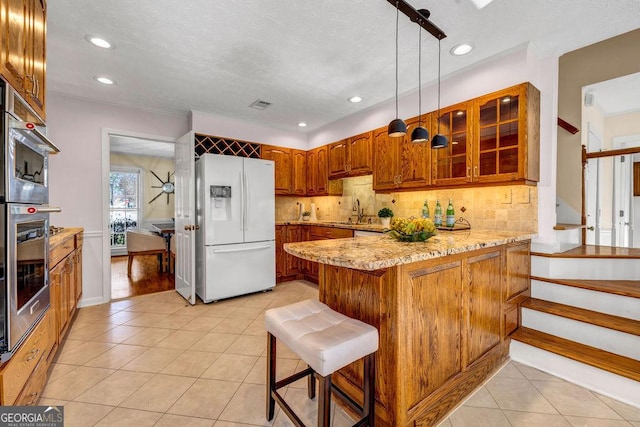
[(235, 237)]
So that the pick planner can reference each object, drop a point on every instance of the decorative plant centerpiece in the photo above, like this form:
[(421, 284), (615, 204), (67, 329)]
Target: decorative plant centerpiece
[(385, 215), (412, 229), (306, 215)]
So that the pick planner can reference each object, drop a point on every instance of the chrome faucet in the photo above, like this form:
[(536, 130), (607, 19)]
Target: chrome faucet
[(360, 212)]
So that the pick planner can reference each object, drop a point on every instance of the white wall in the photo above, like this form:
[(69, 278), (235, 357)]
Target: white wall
[(76, 174), (213, 124)]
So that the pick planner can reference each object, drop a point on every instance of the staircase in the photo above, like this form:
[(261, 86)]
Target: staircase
[(582, 322)]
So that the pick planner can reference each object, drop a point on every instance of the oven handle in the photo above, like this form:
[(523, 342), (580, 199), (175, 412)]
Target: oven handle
[(48, 145), (47, 209)]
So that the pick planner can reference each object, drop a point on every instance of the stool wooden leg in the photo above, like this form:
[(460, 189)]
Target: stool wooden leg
[(271, 375), (324, 402), (369, 388), (129, 263), (311, 386)]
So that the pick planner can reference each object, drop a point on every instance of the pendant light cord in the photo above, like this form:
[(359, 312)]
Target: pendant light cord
[(419, 74), (397, 20), (439, 53)]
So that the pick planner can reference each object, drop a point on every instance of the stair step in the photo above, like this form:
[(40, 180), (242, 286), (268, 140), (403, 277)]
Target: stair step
[(617, 323), (610, 362), (627, 288), (593, 251)]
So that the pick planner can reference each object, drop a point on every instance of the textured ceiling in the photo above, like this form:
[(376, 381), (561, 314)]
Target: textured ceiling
[(306, 57), (617, 96)]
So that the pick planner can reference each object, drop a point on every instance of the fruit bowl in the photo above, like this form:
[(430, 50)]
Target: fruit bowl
[(412, 229)]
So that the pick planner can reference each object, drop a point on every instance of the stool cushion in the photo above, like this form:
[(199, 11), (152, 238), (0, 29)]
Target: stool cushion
[(325, 339)]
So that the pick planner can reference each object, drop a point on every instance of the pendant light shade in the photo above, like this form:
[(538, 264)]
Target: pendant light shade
[(419, 134), (439, 141), (397, 127)]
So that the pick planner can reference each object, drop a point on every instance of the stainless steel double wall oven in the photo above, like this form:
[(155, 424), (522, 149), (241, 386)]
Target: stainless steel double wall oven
[(24, 219)]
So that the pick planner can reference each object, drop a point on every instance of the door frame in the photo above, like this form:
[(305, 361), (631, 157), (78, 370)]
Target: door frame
[(107, 133), (618, 142)]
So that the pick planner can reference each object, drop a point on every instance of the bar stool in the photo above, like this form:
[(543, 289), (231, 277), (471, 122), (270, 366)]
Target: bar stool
[(327, 341)]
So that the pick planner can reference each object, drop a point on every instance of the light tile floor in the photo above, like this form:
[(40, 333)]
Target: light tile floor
[(152, 360)]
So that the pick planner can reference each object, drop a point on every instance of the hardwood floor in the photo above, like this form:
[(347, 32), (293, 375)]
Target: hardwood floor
[(145, 277)]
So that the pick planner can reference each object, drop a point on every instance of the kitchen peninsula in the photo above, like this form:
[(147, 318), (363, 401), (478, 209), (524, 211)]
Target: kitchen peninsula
[(444, 310)]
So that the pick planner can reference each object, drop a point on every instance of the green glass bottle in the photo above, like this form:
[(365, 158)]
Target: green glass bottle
[(437, 215), (425, 210), (451, 217)]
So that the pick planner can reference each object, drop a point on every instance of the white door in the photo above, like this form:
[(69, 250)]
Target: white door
[(222, 198), (260, 202), (185, 206), (621, 201), (591, 194)]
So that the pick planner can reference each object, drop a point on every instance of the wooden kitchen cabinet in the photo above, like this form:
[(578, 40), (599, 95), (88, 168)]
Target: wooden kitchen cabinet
[(508, 141), (299, 161), (65, 277), (288, 267), (283, 160), (23, 54), (22, 377), (351, 156), (517, 286), (453, 165), (318, 183), (397, 162)]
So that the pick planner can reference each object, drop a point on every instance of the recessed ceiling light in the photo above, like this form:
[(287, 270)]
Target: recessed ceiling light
[(99, 41), (302, 124), (104, 80), (481, 3), (355, 99), (462, 49)]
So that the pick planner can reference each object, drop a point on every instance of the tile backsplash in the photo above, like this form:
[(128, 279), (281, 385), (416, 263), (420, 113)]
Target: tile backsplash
[(513, 207)]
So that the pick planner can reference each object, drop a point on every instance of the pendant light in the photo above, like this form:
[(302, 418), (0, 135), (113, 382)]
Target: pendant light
[(419, 134), (439, 141), (397, 127)]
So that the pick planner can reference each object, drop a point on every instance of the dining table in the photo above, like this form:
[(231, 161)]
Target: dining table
[(166, 230)]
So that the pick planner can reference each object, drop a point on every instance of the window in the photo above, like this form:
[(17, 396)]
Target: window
[(124, 206)]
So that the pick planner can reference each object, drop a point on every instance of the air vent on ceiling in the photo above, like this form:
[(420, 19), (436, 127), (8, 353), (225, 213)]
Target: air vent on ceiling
[(260, 104)]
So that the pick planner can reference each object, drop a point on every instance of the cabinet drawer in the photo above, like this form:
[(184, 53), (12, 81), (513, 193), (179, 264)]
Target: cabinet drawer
[(33, 389), (320, 233), (57, 253), (18, 369)]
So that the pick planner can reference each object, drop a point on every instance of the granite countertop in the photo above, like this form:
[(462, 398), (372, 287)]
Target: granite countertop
[(67, 232), (336, 224), (377, 252)]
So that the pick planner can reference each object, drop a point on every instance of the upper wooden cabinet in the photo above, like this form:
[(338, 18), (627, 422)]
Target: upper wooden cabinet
[(299, 158), (453, 165), (23, 54), (508, 141), (318, 183), (397, 162), (351, 156), (283, 167)]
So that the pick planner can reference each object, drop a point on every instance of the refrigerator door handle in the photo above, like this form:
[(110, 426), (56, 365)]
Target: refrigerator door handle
[(247, 204), (242, 198), (225, 251)]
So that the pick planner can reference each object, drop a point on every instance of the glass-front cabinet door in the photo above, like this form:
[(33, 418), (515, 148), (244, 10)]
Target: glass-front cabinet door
[(452, 165), (508, 133)]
